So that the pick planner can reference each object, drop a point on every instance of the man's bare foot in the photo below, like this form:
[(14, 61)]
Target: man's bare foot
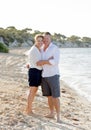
[(50, 116), (59, 121)]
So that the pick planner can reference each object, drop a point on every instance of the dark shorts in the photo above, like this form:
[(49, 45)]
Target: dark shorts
[(34, 77), (51, 86)]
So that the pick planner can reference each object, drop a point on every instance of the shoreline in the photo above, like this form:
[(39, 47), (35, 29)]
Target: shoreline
[(75, 109)]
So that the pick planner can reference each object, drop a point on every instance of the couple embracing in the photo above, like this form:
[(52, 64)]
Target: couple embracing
[(43, 70)]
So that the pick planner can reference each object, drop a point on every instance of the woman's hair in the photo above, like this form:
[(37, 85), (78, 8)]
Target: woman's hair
[(38, 36)]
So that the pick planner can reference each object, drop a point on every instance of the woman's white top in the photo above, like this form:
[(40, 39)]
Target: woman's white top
[(34, 55)]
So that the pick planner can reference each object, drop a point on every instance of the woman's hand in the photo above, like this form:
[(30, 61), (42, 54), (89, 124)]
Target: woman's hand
[(28, 66), (40, 63)]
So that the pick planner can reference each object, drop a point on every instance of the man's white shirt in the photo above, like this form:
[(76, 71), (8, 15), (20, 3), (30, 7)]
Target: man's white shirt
[(53, 69)]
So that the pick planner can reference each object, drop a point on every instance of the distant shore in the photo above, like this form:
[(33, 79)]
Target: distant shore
[(75, 110)]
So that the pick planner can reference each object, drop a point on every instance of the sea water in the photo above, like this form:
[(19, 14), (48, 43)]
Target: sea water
[(75, 69)]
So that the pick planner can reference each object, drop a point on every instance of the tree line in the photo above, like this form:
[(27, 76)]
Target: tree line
[(10, 34)]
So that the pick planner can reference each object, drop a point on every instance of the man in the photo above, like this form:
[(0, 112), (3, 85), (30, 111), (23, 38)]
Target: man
[(50, 75)]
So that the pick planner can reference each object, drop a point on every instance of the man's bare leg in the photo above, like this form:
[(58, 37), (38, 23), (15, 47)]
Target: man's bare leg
[(56, 102), (51, 107)]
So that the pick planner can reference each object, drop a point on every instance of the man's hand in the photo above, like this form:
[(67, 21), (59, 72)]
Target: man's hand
[(50, 58)]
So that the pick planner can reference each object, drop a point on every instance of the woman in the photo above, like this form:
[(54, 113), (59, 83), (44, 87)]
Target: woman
[(34, 70)]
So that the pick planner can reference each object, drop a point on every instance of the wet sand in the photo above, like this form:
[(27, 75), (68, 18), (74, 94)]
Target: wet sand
[(75, 110)]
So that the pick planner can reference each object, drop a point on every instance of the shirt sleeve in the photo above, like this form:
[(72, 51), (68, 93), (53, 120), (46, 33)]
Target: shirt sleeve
[(56, 57), (33, 57)]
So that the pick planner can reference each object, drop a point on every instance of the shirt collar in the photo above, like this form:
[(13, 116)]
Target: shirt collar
[(50, 44), (47, 47)]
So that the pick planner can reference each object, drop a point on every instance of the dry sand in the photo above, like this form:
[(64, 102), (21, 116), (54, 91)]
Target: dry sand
[(75, 110)]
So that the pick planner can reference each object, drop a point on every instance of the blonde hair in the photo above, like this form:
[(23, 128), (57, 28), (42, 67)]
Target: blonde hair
[(38, 36)]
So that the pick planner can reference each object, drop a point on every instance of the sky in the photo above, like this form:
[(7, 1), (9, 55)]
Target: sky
[(67, 17)]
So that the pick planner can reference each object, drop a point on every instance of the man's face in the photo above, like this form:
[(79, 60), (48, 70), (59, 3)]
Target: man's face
[(47, 39)]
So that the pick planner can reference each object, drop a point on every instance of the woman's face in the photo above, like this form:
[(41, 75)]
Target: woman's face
[(39, 42)]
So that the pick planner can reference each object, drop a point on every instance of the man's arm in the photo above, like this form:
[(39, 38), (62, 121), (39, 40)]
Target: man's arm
[(43, 62)]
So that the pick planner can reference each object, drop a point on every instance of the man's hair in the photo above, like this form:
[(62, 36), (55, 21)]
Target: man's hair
[(47, 33)]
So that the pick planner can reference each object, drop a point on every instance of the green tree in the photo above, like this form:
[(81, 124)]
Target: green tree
[(86, 40), (3, 48), (74, 39)]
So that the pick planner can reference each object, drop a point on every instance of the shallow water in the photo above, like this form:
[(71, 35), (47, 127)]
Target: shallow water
[(75, 69)]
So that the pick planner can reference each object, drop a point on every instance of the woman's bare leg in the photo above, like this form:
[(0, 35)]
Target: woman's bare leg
[(30, 99)]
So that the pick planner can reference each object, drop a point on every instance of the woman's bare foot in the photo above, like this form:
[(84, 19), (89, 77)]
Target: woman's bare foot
[(28, 111), (50, 116)]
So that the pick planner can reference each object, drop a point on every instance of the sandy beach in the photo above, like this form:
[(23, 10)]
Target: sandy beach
[(75, 110)]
